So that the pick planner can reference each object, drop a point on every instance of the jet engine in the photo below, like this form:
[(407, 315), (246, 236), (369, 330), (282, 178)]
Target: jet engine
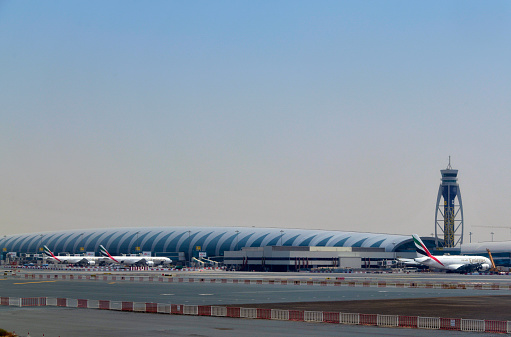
[(484, 266), (92, 263), (150, 263)]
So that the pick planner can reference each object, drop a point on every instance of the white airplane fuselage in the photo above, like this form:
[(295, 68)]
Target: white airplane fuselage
[(133, 260), (454, 262)]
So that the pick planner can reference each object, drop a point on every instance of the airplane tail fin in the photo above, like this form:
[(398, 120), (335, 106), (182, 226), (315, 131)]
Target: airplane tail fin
[(420, 247), (103, 251), (48, 253)]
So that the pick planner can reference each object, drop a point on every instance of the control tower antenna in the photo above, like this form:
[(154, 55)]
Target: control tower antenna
[(449, 214)]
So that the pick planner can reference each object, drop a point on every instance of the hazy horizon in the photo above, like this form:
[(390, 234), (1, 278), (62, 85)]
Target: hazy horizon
[(294, 114)]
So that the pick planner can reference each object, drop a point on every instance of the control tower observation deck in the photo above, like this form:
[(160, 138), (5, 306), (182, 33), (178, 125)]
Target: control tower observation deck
[(449, 209)]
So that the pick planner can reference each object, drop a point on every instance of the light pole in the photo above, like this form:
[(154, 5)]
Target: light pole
[(237, 233), (470, 235), (492, 236), (281, 235)]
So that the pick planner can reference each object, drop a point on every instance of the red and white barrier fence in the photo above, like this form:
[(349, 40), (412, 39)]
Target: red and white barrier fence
[(457, 324)]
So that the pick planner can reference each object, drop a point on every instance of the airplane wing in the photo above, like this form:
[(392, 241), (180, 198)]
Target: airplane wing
[(144, 262), (408, 262), (86, 262)]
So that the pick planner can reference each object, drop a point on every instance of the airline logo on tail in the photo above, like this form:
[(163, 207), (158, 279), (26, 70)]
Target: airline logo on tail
[(104, 252), (420, 248), (48, 252)]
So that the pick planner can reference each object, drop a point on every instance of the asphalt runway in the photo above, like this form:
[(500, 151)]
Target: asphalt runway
[(216, 293)]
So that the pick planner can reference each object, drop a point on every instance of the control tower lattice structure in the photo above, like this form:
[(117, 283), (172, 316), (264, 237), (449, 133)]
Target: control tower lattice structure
[(449, 209)]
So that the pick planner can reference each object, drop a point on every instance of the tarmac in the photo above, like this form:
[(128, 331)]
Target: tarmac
[(426, 302)]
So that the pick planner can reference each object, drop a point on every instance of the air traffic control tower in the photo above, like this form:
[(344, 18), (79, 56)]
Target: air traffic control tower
[(449, 209)]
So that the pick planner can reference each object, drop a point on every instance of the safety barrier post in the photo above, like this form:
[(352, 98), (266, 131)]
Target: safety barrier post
[(408, 321), (204, 310), (495, 326), (116, 305), (428, 323), (278, 314), (14, 301), (382, 284), (450, 323), (248, 312), (348, 318), (138, 306), (368, 319), (93, 304), (472, 325), (29, 302), (233, 312), (331, 317), (51, 301), (263, 313), (190, 310), (296, 315), (163, 308), (176, 309), (72, 303), (61, 302), (104, 304), (4, 300), (218, 311), (387, 320), (82, 303), (508, 326), (313, 316), (151, 308)]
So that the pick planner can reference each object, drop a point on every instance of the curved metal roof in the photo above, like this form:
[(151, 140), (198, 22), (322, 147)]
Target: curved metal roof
[(213, 240)]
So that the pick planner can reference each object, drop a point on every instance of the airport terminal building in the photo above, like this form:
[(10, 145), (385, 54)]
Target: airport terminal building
[(237, 247)]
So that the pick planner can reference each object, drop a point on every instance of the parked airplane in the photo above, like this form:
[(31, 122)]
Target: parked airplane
[(68, 259), (133, 260), (457, 263)]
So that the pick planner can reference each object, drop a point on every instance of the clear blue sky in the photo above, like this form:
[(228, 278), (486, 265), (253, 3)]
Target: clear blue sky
[(295, 114)]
